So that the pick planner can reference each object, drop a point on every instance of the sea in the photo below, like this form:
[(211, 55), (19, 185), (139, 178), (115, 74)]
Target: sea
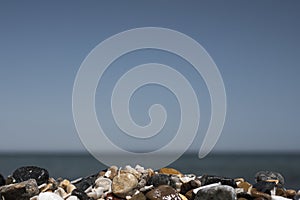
[(245, 165)]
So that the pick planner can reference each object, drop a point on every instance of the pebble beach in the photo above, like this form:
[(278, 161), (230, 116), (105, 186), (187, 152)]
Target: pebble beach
[(139, 183)]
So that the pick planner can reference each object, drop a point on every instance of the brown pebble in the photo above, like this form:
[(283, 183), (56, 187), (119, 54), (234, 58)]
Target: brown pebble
[(256, 193), (242, 199), (290, 193), (170, 171), (123, 184), (245, 186), (138, 196), (190, 195), (280, 192)]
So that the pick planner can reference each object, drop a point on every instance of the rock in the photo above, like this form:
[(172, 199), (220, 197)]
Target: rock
[(170, 171), (219, 192), (290, 193), (208, 179), (2, 180), (244, 195), (105, 183), (20, 191), (257, 194), (84, 183), (138, 196), (49, 196), (163, 192), (245, 185), (81, 195), (72, 198), (123, 184), (264, 187), (281, 192), (161, 179), (31, 172), (185, 187), (269, 175)]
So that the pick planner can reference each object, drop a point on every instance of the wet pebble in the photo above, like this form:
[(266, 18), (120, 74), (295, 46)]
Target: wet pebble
[(31, 172)]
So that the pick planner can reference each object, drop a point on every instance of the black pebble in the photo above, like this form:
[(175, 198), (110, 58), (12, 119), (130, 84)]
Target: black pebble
[(86, 182), (161, 179), (269, 175), (209, 179), (2, 180), (31, 172), (244, 195), (81, 195), (264, 186)]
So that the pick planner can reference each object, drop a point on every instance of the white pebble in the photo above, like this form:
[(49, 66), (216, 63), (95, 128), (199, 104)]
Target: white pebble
[(72, 198), (49, 196)]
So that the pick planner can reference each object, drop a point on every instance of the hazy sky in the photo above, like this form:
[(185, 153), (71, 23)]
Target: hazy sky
[(255, 44)]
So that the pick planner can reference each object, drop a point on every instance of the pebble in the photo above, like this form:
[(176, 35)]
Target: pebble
[(208, 179), (123, 184), (49, 196), (219, 192), (31, 172), (20, 191), (138, 183), (269, 175), (161, 179), (170, 171), (163, 192)]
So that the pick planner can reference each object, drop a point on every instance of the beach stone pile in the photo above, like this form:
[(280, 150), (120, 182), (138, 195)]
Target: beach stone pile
[(138, 183)]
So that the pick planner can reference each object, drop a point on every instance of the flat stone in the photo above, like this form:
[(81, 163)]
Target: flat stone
[(20, 191), (219, 192), (49, 196), (163, 192), (123, 184), (269, 175), (31, 172)]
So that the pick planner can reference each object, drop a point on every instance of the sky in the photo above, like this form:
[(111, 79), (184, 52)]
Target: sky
[(255, 45)]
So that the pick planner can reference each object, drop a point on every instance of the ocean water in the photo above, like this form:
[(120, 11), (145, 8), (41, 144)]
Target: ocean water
[(73, 166)]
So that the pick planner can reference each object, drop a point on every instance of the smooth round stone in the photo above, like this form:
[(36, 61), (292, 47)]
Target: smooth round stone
[(31, 172), (2, 180), (269, 175), (163, 192), (123, 184), (161, 179), (219, 192), (290, 193), (72, 198), (49, 196)]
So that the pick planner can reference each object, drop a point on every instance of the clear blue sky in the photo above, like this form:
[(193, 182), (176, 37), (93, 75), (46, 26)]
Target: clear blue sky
[(255, 44)]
